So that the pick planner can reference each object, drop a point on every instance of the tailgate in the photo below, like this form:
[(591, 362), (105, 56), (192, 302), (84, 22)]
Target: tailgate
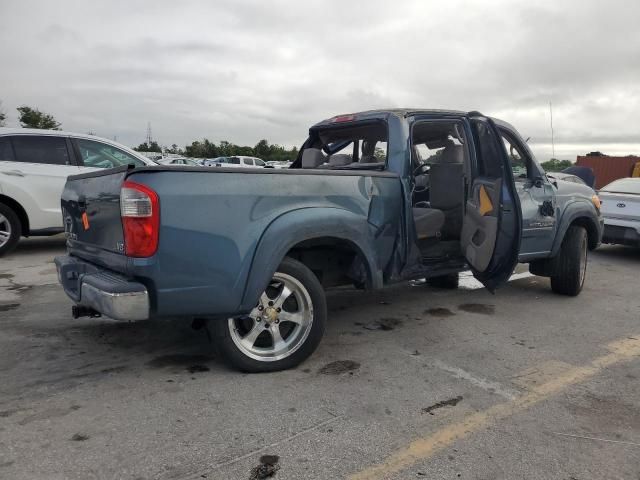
[(91, 215)]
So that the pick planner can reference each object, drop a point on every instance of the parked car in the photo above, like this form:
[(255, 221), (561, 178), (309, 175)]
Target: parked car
[(621, 211), (279, 164), (441, 199), (236, 162), (214, 162), (34, 165), (178, 161)]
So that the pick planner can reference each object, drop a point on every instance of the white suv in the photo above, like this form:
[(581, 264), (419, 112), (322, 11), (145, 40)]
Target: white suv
[(34, 166), (237, 161)]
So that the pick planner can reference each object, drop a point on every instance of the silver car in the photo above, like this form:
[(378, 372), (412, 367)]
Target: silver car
[(621, 211)]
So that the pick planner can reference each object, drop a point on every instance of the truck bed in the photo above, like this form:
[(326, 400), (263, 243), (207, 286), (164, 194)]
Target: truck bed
[(213, 220)]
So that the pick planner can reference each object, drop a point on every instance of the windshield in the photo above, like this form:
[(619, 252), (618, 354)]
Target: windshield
[(626, 185)]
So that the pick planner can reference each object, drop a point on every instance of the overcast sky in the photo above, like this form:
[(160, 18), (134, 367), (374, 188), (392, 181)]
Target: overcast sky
[(245, 70)]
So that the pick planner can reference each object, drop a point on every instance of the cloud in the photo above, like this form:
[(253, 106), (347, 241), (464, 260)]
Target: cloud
[(246, 70)]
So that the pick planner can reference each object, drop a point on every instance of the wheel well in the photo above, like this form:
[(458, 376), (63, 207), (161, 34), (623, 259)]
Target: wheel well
[(591, 228), (20, 212), (334, 261)]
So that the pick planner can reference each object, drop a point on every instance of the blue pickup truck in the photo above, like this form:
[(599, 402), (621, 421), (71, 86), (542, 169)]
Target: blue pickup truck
[(373, 198)]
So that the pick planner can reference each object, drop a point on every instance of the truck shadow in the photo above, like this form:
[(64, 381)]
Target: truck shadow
[(620, 252)]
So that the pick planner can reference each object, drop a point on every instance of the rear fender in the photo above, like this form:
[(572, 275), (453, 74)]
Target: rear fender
[(298, 226)]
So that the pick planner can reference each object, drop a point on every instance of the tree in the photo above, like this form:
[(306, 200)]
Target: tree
[(173, 149), (555, 165), (145, 147), (3, 116), (34, 118)]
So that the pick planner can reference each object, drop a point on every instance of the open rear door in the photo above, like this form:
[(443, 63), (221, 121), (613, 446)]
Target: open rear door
[(492, 223)]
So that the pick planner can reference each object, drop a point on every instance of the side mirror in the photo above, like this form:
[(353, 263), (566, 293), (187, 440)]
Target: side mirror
[(538, 182)]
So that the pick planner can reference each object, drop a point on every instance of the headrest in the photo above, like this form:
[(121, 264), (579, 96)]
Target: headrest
[(312, 158)]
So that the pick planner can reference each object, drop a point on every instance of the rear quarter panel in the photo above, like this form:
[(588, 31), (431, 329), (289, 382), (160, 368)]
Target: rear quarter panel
[(212, 222)]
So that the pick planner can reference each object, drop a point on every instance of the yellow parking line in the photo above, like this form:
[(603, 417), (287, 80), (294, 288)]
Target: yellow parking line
[(425, 447)]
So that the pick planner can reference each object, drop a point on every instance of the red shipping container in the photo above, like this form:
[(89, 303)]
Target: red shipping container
[(607, 169)]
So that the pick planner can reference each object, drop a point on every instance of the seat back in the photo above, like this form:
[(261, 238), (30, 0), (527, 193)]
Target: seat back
[(446, 187)]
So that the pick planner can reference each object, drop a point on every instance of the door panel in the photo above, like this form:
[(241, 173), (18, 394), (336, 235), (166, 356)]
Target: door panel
[(492, 225), (480, 225)]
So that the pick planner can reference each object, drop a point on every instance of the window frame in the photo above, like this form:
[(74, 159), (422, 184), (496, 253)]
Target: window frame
[(11, 149), (314, 136), (468, 159), (71, 154), (80, 161)]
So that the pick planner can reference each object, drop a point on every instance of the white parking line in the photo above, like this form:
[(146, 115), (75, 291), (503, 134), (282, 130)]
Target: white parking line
[(488, 385)]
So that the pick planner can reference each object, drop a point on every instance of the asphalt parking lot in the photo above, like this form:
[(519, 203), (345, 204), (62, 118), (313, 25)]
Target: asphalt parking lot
[(410, 382)]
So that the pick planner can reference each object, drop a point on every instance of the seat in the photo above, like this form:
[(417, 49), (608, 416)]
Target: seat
[(312, 158), (446, 188), (428, 222)]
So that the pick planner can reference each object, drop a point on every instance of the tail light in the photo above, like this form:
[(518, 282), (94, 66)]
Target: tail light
[(140, 212)]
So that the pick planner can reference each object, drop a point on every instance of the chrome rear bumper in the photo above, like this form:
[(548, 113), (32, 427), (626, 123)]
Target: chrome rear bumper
[(106, 292)]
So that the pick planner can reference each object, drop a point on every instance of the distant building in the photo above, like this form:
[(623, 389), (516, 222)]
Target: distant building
[(606, 168)]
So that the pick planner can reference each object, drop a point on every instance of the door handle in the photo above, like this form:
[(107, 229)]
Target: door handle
[(14, 173)]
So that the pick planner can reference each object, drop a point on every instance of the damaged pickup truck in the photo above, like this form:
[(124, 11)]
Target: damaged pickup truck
[(373, 198)]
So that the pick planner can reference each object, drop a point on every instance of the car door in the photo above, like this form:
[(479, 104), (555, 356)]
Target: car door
[(491, 229), (36, 175), (536, 194)]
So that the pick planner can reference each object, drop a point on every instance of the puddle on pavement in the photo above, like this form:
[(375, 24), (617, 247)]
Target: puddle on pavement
[(481, 308), (198, 368), (439, 312), (191, 363), (9, 306), (269, 465), (385, 324), (338, 367), (452, 402)]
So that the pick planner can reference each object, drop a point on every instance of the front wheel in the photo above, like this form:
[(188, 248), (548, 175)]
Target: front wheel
[(571, 267), (283, 329)]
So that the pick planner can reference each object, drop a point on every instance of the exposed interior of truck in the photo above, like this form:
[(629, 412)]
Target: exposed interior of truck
[(438, 159), (361, 147), (455, 216)]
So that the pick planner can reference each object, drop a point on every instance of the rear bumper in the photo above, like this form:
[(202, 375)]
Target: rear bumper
[(621, 233), (106, 292)]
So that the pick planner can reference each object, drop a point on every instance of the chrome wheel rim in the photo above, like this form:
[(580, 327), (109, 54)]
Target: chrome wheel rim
[(5, 230), (280, 323), (583, 261)]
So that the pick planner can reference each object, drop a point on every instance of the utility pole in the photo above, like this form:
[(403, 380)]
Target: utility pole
[(553, 147)]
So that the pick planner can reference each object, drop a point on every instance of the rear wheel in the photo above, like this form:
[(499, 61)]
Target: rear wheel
[(449, 281), (10, 229), (571, 267), (283, 329)]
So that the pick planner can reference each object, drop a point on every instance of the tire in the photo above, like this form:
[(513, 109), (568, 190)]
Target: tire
[(571, 267), (449, 281), (299, 317), (11, 226)]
